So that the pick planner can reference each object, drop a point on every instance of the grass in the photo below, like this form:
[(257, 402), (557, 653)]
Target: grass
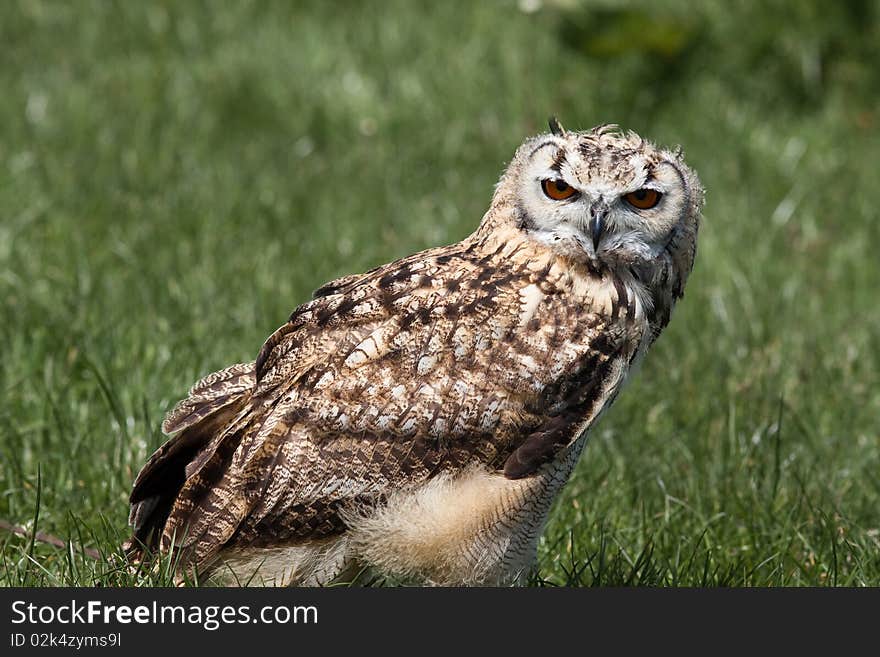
[(176, 178)]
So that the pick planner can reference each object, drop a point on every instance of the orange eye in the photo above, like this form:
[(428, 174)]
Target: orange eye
[(643, 199), (557, 189)]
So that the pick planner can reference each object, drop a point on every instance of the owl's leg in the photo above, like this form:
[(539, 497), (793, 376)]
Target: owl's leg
[(312, 563), (476, 528)]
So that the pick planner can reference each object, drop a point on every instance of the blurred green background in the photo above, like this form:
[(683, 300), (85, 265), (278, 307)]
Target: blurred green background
[(176, 177)]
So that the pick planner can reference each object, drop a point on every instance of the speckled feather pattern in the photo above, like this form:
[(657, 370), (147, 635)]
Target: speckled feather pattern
[(472, 370)]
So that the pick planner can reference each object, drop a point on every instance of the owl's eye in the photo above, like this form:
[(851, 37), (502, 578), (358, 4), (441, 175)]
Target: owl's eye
[(557, 189), (643, 199)]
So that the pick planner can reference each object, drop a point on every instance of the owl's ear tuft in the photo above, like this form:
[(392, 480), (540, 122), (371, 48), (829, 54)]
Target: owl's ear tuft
[(556, 127)]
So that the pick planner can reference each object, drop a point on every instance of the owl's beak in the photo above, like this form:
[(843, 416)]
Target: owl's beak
[(598, 212)]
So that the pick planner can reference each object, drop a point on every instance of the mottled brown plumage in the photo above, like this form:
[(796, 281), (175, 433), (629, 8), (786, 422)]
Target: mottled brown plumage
[(394, 397)]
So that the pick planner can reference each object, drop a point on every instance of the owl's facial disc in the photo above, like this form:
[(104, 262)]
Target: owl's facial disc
[(609, 198)]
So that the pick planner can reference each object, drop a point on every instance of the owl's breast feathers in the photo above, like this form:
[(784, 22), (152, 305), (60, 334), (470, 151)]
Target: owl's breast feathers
[(490, 351)]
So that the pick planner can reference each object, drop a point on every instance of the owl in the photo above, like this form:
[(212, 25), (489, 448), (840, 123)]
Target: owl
[(418, 420)]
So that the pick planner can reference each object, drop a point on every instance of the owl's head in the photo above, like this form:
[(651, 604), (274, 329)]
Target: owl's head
[(605, 197)]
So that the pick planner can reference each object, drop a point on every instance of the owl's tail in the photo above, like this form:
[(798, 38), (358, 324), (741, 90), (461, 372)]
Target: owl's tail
[(198, 423)]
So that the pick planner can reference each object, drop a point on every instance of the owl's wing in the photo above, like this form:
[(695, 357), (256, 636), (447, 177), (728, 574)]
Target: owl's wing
[(431, 364)]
